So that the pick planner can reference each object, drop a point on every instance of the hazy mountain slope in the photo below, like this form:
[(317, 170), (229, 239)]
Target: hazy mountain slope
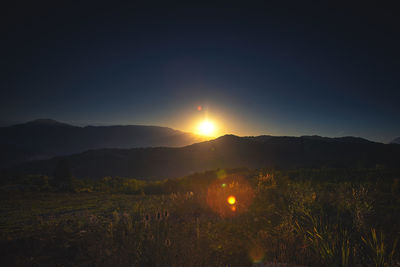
[(47, 138), (225, 152), (396, 141)]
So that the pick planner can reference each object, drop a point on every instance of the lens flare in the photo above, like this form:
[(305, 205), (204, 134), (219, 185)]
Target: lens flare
[(231, 200), (230, 196)]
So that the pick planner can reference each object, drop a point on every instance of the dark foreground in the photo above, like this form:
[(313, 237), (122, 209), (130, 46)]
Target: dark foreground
[(304, 217)]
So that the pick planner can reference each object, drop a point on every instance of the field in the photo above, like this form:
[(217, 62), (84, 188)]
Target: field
[(324, 217)]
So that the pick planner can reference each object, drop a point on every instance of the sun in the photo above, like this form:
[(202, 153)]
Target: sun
[(206, 128)]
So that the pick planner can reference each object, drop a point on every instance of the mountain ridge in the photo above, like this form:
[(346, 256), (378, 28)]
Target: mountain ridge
[(46, 138), (227, 151), (396, 141)]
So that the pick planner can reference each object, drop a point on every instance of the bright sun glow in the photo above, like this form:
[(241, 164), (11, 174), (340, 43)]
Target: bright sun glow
[(206, 128), (231, 200)]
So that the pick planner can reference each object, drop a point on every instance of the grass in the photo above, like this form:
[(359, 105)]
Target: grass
[(291, 220)]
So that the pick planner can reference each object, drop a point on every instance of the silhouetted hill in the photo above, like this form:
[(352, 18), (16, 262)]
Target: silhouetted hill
[(345, 139), (46, 138), (396, 141), (44, 122), (225, 152)]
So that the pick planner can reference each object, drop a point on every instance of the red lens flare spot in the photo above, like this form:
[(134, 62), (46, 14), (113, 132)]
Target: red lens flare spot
[(199, 108), (233, 208), (231, 200)]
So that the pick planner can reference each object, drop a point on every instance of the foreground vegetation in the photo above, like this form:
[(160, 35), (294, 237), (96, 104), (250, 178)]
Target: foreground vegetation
[(323, 217)]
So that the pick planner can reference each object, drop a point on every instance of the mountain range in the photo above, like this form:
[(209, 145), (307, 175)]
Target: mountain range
[(228, 151), (45, 138)]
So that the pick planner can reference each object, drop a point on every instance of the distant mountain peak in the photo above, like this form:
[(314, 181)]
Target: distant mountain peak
[(353, 139), (345, 139), (46, 122), (228, 137)]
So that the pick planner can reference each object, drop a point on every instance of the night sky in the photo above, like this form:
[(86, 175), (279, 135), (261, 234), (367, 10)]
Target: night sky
[(293, 68)]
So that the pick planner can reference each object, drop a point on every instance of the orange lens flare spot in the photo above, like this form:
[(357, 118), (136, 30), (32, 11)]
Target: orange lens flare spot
[(199, 108), (231, 200), (223, 196)]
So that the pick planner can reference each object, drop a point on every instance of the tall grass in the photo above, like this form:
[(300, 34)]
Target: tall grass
[(291, 222)]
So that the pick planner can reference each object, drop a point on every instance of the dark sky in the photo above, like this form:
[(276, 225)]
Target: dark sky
[(293, 68)]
